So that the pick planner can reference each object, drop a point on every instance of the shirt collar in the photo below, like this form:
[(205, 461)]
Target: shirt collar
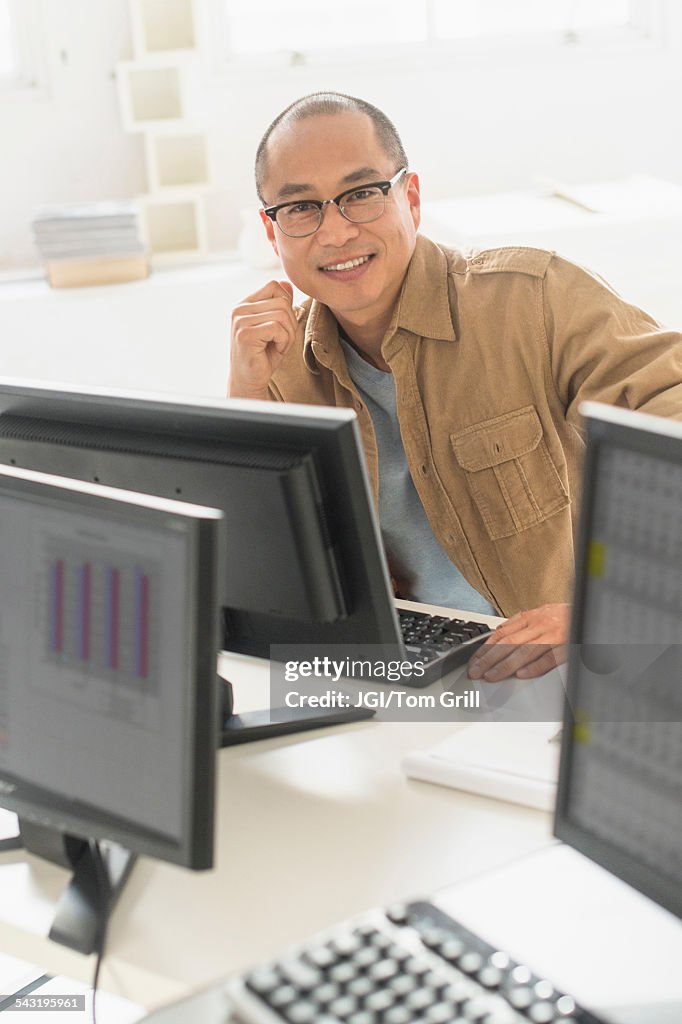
[(424, 306)]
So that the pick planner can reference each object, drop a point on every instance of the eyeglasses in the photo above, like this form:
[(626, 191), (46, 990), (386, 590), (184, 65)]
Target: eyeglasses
[(360, 205)]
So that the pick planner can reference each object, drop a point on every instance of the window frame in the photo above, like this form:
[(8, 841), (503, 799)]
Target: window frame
[(645, 32), (27, 23)]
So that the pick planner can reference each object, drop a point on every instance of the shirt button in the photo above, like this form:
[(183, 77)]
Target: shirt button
[(477, 262), (358, 406), (424, 470)]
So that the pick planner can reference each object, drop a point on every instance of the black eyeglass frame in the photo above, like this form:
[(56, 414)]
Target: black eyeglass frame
[(385, 186)]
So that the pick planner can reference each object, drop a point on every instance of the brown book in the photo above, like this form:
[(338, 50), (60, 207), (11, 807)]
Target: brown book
[(97, 270)]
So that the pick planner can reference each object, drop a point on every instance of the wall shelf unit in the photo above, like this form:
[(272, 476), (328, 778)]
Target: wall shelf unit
[(157, 100), (177, 160), (150, 96), (174, 226), (163, 26)]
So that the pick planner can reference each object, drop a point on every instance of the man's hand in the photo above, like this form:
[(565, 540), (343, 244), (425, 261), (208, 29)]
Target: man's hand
[(527, 645), (263, 331)]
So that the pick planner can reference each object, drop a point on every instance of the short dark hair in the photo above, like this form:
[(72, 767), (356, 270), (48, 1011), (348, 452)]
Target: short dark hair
[(331, 103)]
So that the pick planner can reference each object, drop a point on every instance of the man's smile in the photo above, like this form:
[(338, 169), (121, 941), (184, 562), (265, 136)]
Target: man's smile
[(348, 269)]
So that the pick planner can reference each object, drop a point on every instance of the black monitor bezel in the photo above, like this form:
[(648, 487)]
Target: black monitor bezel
[(371, 617), (194, 848), (650, 436)]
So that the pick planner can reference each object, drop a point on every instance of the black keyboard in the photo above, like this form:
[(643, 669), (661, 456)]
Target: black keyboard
[(431, 637), (411, 964)]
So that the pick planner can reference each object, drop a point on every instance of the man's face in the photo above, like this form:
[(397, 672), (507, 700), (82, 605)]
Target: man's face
[(318, 158)]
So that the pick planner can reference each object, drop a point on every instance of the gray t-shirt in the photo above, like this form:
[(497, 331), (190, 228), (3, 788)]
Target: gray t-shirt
[(408, 538)]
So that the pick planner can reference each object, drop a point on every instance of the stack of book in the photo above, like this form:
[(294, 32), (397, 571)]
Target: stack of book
[(90, 243)]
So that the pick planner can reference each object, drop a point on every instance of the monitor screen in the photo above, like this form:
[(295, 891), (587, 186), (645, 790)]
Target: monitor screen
[(303, 559), (108, 641), (620, 787)]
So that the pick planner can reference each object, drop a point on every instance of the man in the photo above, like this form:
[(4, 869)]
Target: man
[(466, 373)]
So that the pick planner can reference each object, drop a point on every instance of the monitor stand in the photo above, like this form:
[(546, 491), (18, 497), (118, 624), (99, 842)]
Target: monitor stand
[(100, 870), (263, 724)]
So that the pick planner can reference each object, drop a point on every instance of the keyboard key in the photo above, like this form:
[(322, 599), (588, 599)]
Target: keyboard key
[(521, 998), (282, 996), (460, 990), (300, 974), (398, 913), (382, 943), (480, 1007), (433, 937), (361, 987), (264, 980), (361, 1017), (380, 1001), (322, 957), (522, 974), (542, 1013), (451, 949), (343, 1007), (479, 627), (397, 952), (543, 990), (327, 993), (346, 945), (443, 648), (397, 1015), (403, 984), (439, 1013), (421, 998), (367, 956), (490, 977), (346, 971), (470, 962), (301, 1013), (384, 970), (416, 966), (503, 1014)]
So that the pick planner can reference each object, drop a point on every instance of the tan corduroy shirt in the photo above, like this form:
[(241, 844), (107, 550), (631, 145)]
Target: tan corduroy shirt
[(491, 356)]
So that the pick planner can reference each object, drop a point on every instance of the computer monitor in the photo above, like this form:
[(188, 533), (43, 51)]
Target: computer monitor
[(303, 554), (620, 786), (303, 557), (108, 717)]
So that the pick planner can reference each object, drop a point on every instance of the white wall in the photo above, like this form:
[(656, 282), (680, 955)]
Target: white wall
[(483, 124), (67, 145)]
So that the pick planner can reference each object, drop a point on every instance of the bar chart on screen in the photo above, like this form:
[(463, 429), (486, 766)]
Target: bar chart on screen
[(99, 611), (95, 639)]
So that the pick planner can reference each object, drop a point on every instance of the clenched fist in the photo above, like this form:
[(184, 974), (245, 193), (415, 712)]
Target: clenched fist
[(263, 331)]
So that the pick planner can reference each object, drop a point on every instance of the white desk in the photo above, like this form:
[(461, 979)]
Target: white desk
[(569, 920), (311, 828)]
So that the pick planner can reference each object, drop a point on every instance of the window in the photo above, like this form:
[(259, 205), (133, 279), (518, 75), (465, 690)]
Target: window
[(461, 19), (8, 55), (304, 27), (22, 58)]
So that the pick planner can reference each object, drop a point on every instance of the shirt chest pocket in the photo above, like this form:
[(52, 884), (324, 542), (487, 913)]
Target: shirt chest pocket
[(512, 477)]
